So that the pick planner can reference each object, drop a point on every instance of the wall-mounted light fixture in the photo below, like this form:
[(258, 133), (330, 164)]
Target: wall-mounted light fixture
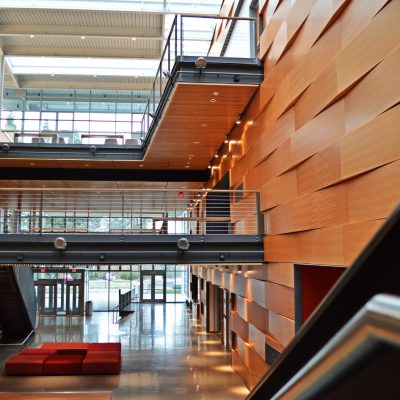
[(200, 63), (60, 243), (183, 244)]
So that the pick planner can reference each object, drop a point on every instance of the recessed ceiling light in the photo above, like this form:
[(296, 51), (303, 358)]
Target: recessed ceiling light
[(133, 39), (196, 142), (187, 166), (203, 124), (31, 36), (226, 140), (209, 167), (216, 155), (83, 37), (183, 187), (52, 74), (212, 100), (32, 164), (215, 93), (86, 165), (141, 165)]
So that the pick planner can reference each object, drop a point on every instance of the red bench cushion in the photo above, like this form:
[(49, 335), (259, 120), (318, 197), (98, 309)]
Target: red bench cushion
[(63, 365), (25, 365), (101, 362), (105, 347), (64, 345), (62, 352), (37, 352)]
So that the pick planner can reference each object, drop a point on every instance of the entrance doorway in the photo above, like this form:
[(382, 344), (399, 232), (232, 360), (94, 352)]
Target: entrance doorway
[(153, 287), (60, 291), (74, 295), (46, 292)]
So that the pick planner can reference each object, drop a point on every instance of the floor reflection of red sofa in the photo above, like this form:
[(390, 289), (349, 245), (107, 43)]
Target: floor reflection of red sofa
[(67, 359)]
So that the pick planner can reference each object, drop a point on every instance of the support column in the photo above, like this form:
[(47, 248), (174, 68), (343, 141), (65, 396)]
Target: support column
[(2, 69)]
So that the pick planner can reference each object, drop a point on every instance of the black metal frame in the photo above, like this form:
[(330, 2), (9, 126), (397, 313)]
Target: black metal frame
[(131, 249), (89, 174)]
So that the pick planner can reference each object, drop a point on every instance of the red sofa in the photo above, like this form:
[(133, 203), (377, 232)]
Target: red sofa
[(67, 359)]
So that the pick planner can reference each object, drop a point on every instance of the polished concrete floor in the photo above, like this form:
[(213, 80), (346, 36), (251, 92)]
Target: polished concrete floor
[(165, 355)]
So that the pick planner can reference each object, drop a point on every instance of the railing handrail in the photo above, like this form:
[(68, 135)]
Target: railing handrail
[(14, 189), (160, 71)]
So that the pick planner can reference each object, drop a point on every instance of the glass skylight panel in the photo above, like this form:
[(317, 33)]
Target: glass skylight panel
[(168, 6), (83, 66)]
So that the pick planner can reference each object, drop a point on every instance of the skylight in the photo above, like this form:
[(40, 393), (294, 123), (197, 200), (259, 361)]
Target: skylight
[(83, 66), (163, 6)]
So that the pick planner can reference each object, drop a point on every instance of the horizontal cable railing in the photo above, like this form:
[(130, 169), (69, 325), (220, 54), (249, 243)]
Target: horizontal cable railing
[(129, 211)]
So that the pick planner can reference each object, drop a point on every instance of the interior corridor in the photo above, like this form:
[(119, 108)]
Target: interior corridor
[(165, 354)]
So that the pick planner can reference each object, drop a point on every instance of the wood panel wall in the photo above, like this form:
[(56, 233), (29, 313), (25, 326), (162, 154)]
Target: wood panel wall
[(321, 141)]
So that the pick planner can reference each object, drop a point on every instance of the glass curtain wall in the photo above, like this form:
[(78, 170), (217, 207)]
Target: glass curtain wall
[(104, 282), (74, 118)]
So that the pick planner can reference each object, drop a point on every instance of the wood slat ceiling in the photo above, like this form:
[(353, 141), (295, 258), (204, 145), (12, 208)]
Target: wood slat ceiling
[(180, 142), (182, 137)]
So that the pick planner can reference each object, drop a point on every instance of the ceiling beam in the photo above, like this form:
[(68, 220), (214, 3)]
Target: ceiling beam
[(117, 175), (11, 75), (109, 85), (79, 31), (79, 52), (99, 6)]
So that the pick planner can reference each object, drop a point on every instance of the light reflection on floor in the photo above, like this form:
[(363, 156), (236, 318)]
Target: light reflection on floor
[(164, 355)]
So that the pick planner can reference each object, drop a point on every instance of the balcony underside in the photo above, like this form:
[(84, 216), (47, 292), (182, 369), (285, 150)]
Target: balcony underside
[(188, 123), (131, 249)]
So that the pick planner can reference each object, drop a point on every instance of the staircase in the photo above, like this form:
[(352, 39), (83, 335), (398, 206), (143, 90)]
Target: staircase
[(17, 303)]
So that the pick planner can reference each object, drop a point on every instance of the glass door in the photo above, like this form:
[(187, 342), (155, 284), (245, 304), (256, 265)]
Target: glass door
[(75, 300), (152, 287), (47, 297)]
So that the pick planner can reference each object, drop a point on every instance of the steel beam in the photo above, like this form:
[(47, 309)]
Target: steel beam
[(131, 249), (131, 175)]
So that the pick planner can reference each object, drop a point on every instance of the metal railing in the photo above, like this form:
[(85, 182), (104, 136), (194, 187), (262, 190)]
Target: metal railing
[(184, 41), (190, 35), (130, 211)]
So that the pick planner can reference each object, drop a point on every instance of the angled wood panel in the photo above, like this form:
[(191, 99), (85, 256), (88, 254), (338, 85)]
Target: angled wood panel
[(280, 299), (375, 195), (376, 93), (281, 328), (279, 190), (320, 170), (372, 145)]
